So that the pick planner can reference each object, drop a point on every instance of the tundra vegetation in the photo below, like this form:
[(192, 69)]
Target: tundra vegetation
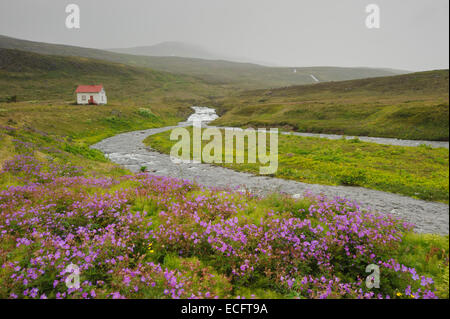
[(411, 106), (144, 236), (346, 162)]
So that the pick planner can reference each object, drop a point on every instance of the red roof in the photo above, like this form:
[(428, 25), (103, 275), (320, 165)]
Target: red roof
[(89, 88)]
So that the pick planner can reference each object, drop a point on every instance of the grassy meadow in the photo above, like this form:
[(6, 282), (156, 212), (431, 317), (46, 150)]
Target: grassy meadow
[(412, 106), (351, 163)]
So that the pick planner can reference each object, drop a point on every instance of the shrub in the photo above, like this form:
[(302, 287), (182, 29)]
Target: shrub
[(355, 177), (11, 99), (442, 288), (147, 113)]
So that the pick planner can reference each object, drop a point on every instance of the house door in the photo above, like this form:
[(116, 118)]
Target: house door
[(91, 100)]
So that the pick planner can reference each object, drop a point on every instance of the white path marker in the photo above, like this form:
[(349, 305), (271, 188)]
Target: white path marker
[(314, 78)]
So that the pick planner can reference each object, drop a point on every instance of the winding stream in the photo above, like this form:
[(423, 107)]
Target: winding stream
[(128, 150)]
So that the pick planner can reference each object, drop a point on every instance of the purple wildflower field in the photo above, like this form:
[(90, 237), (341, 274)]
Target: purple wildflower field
[(144, 236)]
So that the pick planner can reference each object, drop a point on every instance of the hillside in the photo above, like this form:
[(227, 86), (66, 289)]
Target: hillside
[(237, 75), (411, 106), (184, 50), (37, 91), (32, 76)]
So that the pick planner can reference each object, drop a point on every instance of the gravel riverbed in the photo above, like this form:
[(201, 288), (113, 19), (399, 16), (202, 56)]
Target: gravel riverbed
[(128, 150)]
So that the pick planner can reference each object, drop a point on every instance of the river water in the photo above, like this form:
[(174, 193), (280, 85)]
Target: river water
[(128, 150), (202, 114)]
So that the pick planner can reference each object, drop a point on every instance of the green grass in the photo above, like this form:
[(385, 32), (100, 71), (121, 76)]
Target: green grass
[(82, 124), (413, 106), (353, 163), (428, 252), (53, 149)]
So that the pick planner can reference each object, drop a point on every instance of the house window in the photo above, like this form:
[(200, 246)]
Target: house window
[(83, 97)]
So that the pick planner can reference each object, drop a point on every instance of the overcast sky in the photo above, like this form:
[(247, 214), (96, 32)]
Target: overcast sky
[(413, 34)]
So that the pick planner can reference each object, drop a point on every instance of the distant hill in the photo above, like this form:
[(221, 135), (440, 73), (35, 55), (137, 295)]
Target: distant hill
[(237, 75), (174, 49), (184, 50), (410, 106)]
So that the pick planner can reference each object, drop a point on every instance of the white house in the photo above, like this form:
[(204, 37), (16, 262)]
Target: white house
[(91, 94)]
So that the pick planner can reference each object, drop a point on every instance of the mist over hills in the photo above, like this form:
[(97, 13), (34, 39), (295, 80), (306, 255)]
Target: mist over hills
[(171, 48), (220, 72), (184, 50)]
